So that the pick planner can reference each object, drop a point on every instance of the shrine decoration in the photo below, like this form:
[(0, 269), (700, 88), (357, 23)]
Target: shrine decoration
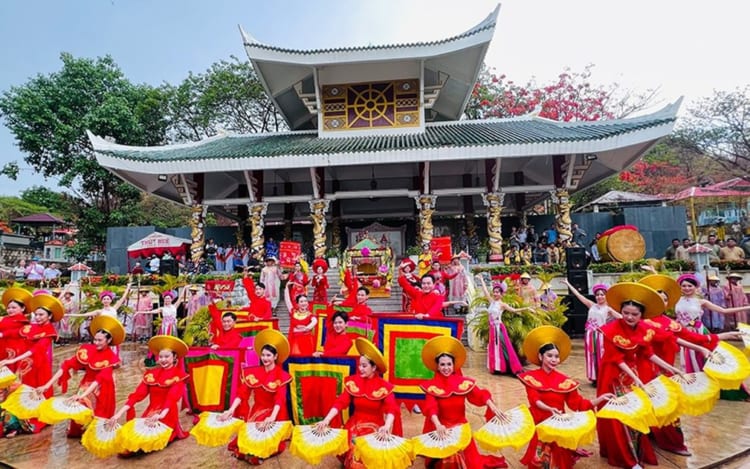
[(373, 264)]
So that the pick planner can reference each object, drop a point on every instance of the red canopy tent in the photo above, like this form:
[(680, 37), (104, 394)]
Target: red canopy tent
[(159, 243)]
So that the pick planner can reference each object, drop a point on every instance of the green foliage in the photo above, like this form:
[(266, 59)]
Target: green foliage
[(517, 324), (161, 213), (502, 269), (196, 331), (227, 96), (53, 202), (13, 207), (49, 116), (635, 266), (10, 170), (612, 183), (414, 250)]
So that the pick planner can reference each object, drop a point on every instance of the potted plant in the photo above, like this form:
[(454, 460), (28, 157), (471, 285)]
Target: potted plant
[(333, 257), (413, 252), (482, 251)]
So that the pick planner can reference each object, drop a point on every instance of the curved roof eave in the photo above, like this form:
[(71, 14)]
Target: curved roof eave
[(479, 34), (447, 153)]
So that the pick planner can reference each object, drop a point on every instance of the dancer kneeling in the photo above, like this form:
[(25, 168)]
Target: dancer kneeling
[(445, 402), (98, 361), (163, 385), (269, 384), (375, 408)]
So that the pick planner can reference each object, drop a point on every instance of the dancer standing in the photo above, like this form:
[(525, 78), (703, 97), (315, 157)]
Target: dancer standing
[(688, 312), (501, 356), (168, 313), (599, 314), (625, 364)]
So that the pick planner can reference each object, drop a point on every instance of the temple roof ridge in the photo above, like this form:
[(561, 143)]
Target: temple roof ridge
[(102, 143), (667, 112), (488, 23)]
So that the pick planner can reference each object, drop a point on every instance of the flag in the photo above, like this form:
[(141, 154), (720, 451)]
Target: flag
[(401, 339), (320, 381)]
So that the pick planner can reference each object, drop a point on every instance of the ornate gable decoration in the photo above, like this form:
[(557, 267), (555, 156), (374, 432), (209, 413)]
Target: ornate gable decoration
[(377, 105)]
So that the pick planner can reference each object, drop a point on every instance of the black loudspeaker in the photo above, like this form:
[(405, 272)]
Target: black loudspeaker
[(577, 314), (168, 266), (579, 279), (576, 259)]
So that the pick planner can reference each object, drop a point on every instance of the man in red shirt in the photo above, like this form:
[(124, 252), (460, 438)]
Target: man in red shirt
[(229, 337), (260, 308), (426, 302), (360, 311)]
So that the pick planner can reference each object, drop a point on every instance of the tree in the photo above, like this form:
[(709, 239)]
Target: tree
[(54, 202), (227, 96), (13, 207), (719, 126), (670, 167), (162, 213), (570, 97), (49, 115)]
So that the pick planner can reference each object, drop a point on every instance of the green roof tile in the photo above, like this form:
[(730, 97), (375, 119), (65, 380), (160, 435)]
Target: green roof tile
[(464, 133)]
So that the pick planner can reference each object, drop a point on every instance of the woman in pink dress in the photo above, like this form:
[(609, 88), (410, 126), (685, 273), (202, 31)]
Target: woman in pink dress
[(599, 314), (457, 283), (141, 322), (688, 312), (501, 356), (168, 313), (270, 276)]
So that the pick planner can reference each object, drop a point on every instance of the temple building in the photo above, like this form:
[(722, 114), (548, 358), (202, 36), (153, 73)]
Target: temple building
[(376, 132)]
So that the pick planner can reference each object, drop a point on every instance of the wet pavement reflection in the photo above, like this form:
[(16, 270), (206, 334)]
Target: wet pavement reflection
[(711, 438)]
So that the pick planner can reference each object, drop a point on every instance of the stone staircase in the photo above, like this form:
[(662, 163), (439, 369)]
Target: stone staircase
[(390, 304)]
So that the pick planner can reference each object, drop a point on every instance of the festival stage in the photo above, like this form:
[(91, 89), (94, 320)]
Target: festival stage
[(716, 439)]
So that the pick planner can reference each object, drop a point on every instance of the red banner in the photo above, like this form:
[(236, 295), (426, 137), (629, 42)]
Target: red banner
[(441, 248), (217, 288), (289, 252)]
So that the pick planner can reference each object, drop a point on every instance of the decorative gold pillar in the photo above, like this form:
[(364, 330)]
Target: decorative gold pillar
[(257, 221), (318, 209), (561, 201), (494, 203), (425, 206), (197, 232)]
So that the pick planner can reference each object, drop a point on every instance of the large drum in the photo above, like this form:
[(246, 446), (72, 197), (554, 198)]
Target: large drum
[(621, 244)]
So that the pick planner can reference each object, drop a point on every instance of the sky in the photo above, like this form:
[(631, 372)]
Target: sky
[(683, 48)]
